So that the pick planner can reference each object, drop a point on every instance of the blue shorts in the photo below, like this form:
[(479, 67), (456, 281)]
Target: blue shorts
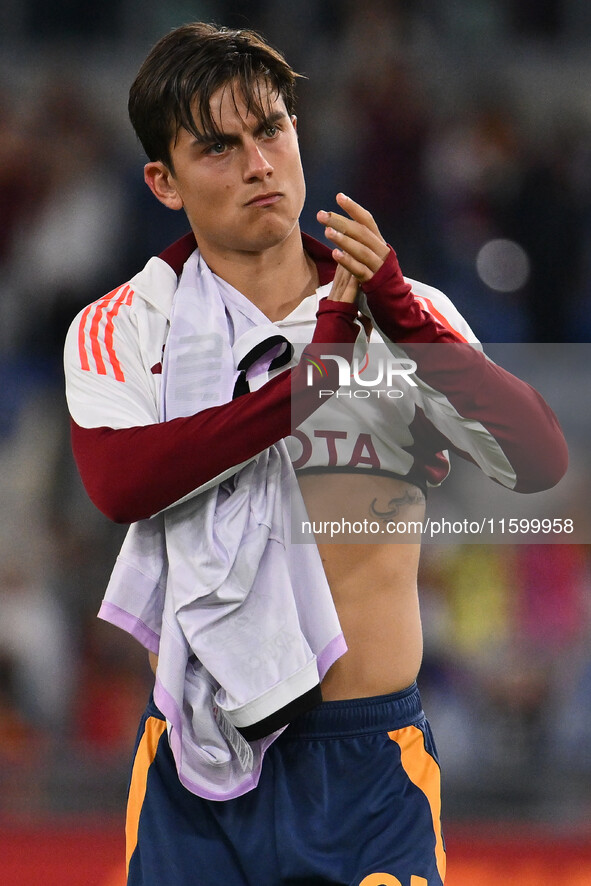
[(349, 794)]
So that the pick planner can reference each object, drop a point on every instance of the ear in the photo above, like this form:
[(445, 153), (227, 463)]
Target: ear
[(162, 183), (294, 122)]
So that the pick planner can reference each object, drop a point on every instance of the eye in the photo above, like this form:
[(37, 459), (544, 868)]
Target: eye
[(216, 148), (271, 131)]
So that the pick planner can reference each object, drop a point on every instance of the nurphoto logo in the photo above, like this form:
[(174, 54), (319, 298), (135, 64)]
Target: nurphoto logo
[(383, 371)]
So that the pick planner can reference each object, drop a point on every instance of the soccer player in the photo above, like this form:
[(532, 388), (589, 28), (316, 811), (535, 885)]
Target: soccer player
[(285, 740)]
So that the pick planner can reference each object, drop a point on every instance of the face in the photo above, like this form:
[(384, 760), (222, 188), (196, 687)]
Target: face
[(243, 192)]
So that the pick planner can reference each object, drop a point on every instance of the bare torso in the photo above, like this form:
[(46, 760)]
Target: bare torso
[(374, 585)]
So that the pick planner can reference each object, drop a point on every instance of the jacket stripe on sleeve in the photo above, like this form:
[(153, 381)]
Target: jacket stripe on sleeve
[(437, 315), (92, 339)]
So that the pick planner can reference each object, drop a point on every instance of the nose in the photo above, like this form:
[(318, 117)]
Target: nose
[(256, 165)]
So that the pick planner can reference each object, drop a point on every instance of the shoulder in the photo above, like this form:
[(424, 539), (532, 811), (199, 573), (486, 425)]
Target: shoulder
[(149, 294), (113, 349)]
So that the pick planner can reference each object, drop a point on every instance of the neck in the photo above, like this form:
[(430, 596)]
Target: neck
[(275, 279)]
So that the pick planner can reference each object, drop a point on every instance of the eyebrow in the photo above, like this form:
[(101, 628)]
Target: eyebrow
[(229, 138)]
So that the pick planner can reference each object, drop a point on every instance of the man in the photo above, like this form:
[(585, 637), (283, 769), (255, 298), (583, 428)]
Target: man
[(286, 741)]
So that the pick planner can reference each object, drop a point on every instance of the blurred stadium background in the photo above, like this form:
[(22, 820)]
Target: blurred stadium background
[(465, 125)]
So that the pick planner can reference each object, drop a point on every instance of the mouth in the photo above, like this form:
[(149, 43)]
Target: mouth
[(263, 200)]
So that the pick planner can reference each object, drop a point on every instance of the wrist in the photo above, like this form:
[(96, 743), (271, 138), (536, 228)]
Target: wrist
[(329, 305), (389, 278), (337, 322)]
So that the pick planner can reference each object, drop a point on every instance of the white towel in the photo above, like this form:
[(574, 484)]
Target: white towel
[(248, 622)]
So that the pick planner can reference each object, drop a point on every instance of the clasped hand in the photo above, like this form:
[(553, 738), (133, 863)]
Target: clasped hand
[(360, 250)]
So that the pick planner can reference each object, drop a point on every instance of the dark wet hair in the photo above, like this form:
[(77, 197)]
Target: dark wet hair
[(183, 71)]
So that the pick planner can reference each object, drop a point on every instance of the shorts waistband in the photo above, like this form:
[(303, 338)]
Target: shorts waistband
[(379, 713), (355, 716)]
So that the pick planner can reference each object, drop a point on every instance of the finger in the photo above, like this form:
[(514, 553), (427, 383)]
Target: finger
[(344, 286), (372, 249), (351, 289), (360, 271), (353, 229), (358, 212), (366, 255), (338, 284)]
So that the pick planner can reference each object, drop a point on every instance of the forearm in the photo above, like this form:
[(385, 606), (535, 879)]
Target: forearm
[(132, 473), (482, 394), (398, 314)]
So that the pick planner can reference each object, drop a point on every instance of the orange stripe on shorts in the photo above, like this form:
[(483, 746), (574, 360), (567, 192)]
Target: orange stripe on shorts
[(423, 770), (139, 777)]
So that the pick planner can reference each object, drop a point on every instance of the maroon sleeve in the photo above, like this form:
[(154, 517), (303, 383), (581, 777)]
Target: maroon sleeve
[(397, 312), (132, 473), (512, 412)]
